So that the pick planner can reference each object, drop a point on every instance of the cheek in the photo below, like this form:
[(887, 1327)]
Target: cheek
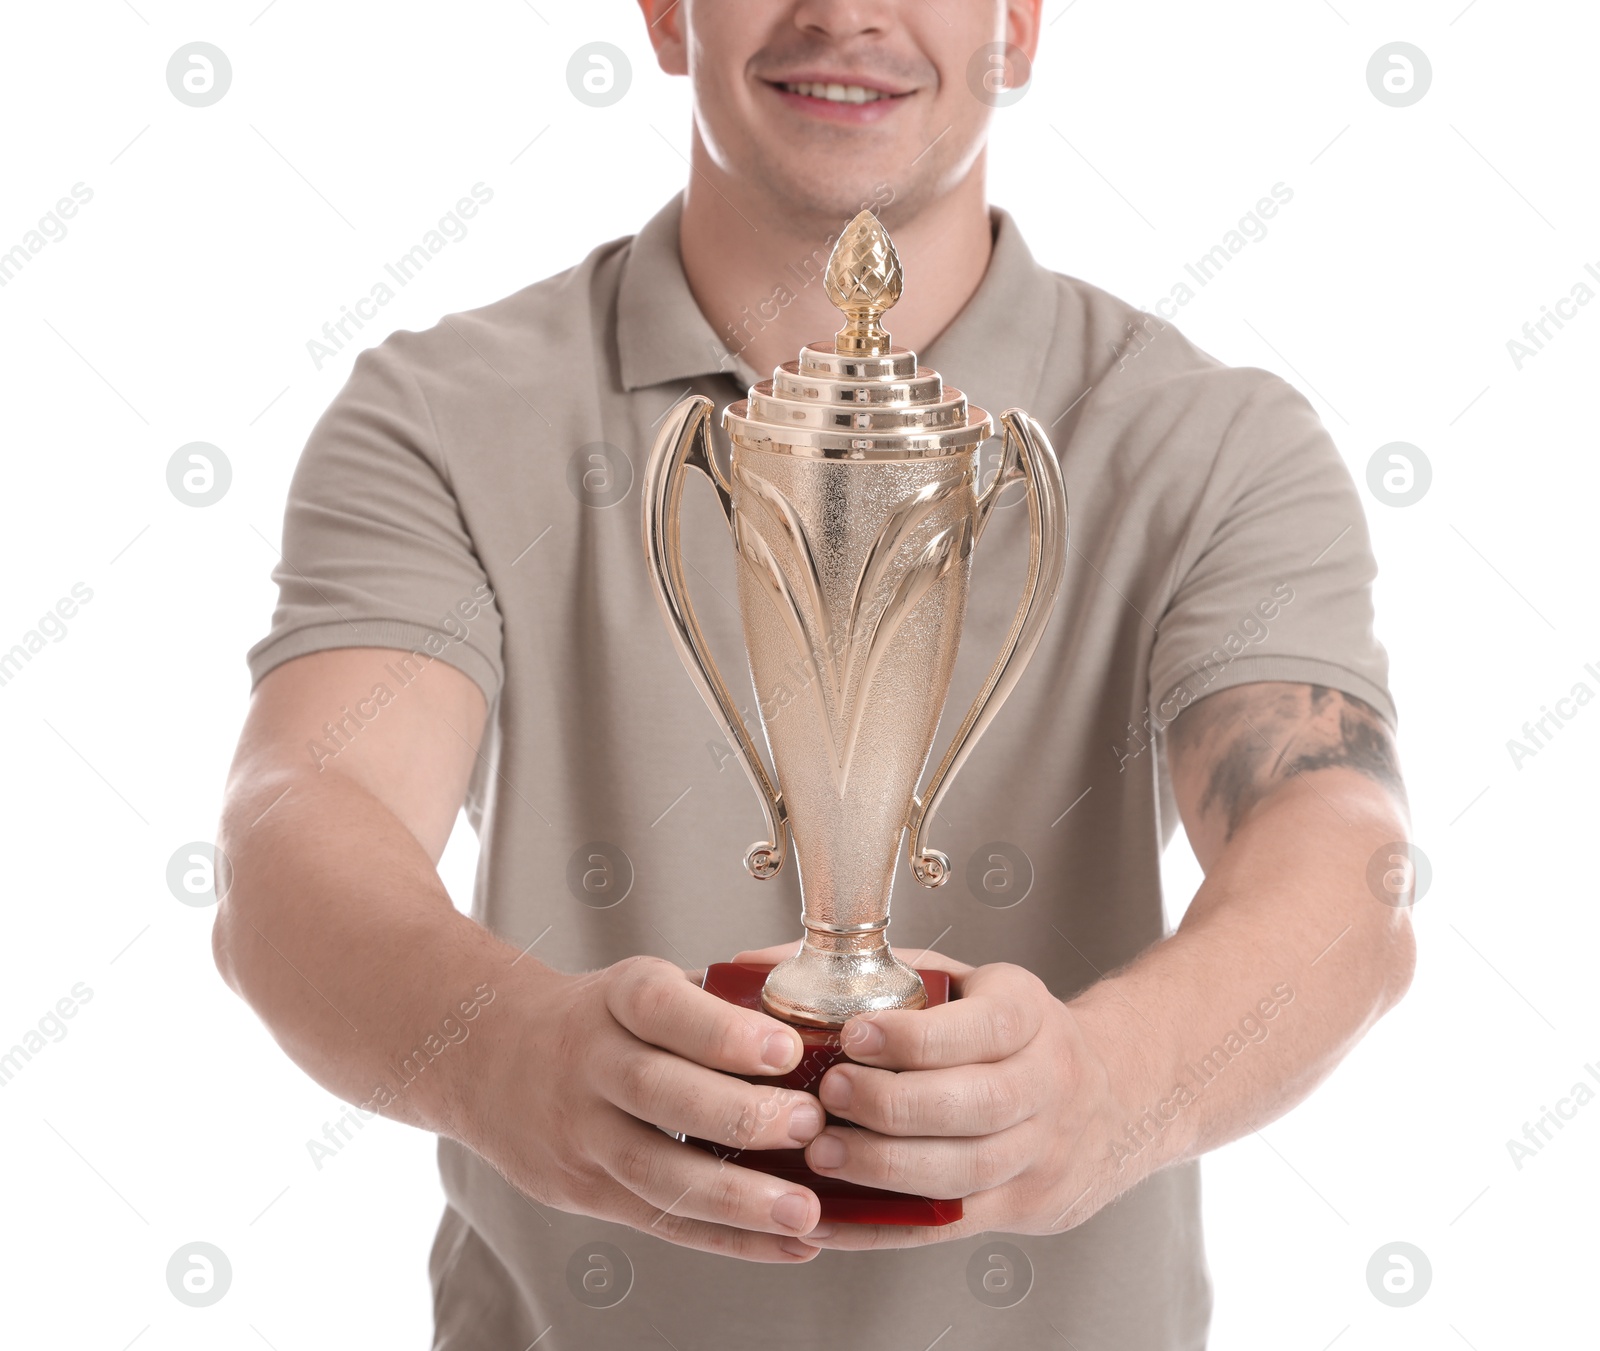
[(974, 43), (727, 117), (721, 37), (968, 119)]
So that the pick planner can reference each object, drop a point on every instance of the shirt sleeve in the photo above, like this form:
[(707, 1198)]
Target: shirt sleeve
[(375, 550), (1274, 580)]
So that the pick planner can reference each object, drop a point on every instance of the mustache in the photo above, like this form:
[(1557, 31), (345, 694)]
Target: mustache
[(873, 65)]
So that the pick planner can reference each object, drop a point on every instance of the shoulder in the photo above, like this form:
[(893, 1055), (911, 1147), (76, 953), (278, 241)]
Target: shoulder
[(516, 337), (1144, 353), (1150, 383)]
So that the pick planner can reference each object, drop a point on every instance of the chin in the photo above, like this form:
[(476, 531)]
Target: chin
[(831, 193)]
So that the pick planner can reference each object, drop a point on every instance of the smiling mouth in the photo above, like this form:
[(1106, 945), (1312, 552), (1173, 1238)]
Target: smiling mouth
[(835, 93)]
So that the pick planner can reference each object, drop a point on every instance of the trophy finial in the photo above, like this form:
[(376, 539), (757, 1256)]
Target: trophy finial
[(864, 280)]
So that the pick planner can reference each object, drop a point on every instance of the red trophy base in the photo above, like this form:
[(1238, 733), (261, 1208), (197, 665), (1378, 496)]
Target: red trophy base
[(842, 1202)]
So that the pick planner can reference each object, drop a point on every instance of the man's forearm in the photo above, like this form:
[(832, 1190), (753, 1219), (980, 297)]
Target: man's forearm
[(339, 933), (571, 1086), (1282, 961)]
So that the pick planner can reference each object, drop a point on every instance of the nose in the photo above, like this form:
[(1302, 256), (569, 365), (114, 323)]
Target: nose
[(841, 20)]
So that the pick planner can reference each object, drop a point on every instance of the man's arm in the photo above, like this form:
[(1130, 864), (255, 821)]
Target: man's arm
[(1040, 1112), (1285, 956), (338, 932)]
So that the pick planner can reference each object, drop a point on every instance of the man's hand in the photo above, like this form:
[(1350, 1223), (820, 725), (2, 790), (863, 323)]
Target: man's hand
[(575, 1104), (997, 1097), (1039, 1113)]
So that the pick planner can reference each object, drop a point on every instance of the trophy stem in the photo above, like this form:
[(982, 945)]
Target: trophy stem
[(838, 973)]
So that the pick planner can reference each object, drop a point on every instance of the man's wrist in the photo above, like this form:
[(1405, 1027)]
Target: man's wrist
[(1147, 1123), (457, 1047)]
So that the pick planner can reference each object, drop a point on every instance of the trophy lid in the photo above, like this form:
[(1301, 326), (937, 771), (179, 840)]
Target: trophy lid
[(857, 396)]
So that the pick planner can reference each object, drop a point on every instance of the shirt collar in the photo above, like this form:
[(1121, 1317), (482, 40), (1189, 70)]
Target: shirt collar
[(661, 333), (993, 350)]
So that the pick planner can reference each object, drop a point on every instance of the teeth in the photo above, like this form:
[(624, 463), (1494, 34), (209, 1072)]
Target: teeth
[(837, 93)]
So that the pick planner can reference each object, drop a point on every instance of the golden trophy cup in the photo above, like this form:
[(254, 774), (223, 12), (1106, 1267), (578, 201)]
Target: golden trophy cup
[(854, 502)]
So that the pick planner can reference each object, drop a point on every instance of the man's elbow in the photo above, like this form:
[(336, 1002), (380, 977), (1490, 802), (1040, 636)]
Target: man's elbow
[(235, 940), (1396, 960), (229, 948), (223, 948)]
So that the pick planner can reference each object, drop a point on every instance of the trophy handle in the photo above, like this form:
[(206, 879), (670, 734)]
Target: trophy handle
[(1026, 454), (685, 441)]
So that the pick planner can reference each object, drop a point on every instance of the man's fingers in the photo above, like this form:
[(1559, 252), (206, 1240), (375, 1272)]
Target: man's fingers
[(926, 959), (965, 1101), (681, 1097), (863, 1237), (686, 1183), (657, 1003), (717, 1238), (775, 954), (997, 1015), (621, 1206), (923, 1165)]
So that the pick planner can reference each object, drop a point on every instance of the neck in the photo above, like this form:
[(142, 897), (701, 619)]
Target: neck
[(755, 267)]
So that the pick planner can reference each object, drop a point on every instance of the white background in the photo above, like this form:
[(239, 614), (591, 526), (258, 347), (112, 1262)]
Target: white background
[(220, 239)]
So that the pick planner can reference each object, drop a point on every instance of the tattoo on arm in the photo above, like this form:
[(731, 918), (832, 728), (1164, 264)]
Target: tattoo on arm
[(1245, 741)]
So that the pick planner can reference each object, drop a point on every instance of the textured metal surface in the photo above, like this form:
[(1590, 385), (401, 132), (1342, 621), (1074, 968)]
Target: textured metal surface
[(853, 600)]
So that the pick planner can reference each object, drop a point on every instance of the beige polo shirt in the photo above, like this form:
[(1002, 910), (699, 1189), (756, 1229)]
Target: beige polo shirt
[(472, 495)]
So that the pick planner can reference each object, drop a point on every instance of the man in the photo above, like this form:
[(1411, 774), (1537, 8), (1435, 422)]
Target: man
[(465, 616)]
